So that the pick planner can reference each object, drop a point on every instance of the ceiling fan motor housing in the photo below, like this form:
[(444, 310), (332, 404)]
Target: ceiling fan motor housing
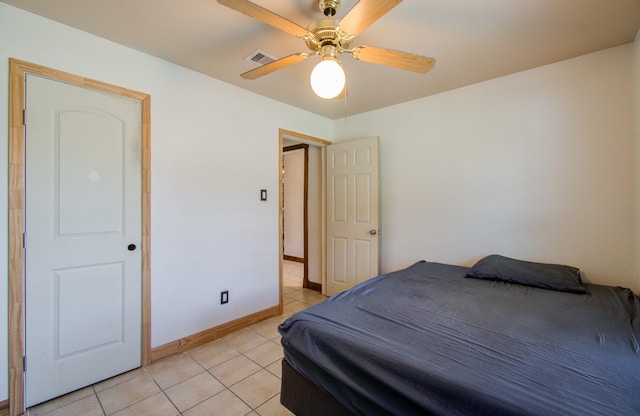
[(329, 7), (324, 32)]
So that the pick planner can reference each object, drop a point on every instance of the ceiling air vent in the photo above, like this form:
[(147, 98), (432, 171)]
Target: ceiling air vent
[(260, 58)]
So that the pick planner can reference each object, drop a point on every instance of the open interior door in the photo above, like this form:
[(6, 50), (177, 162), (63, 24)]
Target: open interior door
[(353, 219)]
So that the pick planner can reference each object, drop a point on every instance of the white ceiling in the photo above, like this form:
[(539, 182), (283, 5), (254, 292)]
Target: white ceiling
[(472, 41)]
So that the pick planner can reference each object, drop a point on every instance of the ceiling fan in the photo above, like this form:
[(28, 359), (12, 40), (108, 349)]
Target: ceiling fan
[(329, 37)]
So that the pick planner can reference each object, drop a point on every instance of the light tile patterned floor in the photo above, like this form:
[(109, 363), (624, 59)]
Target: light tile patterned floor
[(235, 375)]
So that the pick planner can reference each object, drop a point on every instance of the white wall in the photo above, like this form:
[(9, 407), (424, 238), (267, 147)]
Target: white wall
[(293, 162), (537, 165), (209, 233)]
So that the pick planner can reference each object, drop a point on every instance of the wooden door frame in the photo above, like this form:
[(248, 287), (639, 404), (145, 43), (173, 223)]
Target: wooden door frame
[(16, 226), (282, 134), (305, 210)]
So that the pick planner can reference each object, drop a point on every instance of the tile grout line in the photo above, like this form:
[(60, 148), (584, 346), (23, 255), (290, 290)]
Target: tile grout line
[(240, 353), (162, 391), (301, 296), (95, 393)]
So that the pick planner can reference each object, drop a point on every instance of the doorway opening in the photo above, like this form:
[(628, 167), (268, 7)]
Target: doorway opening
[(304, 267), (295, 214)]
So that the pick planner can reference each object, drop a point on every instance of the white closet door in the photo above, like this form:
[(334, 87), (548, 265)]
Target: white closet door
[(83, 233)]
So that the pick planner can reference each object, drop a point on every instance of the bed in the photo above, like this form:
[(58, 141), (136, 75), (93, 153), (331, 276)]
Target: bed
[(505, 337)]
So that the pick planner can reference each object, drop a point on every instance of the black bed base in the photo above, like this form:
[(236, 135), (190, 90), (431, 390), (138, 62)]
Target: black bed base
[(304, 398)]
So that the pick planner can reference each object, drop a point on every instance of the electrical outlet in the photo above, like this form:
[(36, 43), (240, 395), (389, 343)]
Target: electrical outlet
[(224, 297)]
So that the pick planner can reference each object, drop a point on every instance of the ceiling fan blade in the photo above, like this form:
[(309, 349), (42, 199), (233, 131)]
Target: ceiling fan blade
[(275, 65), (264, 15), (396, 59), (364, 13)]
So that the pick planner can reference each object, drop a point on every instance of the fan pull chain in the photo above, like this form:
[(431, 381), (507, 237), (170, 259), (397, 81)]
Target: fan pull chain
[(346, 90)]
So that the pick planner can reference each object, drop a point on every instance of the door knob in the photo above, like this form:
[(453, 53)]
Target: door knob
[(131, 247), (373, 232)]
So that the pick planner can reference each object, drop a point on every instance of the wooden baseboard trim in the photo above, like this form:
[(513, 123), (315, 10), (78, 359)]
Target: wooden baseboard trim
[(4, 407), (202, 337), (292, 258), (315, 286)]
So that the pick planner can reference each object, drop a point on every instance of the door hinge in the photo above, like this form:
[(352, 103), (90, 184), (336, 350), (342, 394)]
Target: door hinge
[(24, 116), (24, 363), (24, 240)]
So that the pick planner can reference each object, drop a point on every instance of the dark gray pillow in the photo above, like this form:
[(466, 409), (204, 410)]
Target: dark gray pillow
[(547, 276)]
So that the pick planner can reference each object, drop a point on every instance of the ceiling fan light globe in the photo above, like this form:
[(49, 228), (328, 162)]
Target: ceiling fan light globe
[(327, 78)]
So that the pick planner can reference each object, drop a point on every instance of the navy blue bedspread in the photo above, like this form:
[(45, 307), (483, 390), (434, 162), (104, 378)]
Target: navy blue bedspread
[(427, 340)]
